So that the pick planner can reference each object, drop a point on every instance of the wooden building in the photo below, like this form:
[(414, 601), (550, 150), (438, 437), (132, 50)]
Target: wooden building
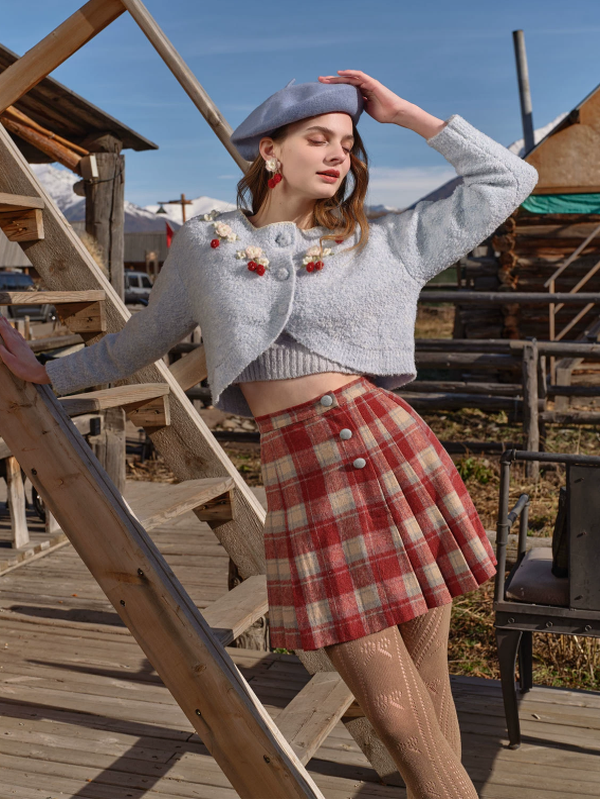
[(550, 243), (51, 123), (556, 227)]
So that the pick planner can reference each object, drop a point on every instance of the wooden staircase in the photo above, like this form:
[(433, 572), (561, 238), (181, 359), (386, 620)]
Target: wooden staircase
[(184, 646)]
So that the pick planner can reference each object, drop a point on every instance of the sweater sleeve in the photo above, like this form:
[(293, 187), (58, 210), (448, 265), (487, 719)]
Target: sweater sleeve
[(434, 234), (146, 336)]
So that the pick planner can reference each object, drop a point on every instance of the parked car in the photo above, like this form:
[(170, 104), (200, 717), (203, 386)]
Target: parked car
[(20, 282), (137, 283)]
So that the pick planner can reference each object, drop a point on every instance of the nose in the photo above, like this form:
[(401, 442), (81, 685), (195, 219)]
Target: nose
[(337, 156)]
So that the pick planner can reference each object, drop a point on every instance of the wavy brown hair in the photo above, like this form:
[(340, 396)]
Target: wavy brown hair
[(339, 213)]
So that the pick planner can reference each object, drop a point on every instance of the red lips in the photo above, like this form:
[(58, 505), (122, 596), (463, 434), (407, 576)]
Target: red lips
[(334, 173)]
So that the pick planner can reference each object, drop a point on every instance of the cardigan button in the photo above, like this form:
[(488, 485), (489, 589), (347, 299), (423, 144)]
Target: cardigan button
[(345, 433), (283, 239), (282, 274), (359, 463), (326, 400)]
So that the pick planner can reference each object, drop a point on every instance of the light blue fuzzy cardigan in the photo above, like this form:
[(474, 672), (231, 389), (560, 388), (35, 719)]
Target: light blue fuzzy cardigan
[(359, 310)]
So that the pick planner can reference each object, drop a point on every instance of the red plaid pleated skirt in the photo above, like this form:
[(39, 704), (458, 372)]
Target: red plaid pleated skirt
[(368, 522)]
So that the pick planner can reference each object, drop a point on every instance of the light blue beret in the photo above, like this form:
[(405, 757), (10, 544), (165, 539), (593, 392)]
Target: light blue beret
[(292, 103)]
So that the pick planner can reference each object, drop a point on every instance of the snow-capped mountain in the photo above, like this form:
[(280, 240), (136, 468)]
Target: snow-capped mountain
[(59, 182)]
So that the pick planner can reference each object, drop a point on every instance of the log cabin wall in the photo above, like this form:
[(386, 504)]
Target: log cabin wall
[(522, 254)]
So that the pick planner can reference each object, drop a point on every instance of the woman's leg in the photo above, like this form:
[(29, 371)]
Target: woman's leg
[(426, 639), (381, 674)]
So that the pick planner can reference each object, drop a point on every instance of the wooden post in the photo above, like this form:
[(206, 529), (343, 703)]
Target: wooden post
[(51, 525), (105, 205), (151, 263), (105, 222), (542, 395), (530, 405), (16, 499)]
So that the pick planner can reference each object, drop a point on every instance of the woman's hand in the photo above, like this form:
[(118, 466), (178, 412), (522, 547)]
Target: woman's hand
[(385, 106), (18, 356)]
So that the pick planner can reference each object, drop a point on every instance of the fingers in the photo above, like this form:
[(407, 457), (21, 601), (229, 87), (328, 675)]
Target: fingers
[(8, 332)]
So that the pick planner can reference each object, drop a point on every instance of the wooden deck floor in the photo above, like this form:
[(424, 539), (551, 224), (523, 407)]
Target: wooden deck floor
[(85, 715)]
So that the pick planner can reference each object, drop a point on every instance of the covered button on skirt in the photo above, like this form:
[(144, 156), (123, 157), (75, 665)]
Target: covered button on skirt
[(368, 524)]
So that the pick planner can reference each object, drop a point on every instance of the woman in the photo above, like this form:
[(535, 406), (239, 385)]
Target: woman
[(308, 323)]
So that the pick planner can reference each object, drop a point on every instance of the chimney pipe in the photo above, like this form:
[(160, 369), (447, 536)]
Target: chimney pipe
[(524, 90)]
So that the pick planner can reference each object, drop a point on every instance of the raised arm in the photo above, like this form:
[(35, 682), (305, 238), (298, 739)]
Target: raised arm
[(147, 336), (435, 234)]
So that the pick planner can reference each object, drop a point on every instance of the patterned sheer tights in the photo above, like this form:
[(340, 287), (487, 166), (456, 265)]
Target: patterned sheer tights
[(399, 676)]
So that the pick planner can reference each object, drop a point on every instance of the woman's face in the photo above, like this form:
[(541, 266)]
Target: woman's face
[(314, 146)]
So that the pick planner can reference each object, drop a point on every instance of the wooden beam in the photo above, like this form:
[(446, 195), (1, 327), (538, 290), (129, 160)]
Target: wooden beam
[(186, 78), (55, 48), (44, 143), (18, 116), (162, 617)]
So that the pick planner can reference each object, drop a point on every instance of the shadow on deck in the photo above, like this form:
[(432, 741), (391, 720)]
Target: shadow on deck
[(85, 715)]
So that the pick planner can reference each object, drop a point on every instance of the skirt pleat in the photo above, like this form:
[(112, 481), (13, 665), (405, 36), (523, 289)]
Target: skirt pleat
[(352, 549)]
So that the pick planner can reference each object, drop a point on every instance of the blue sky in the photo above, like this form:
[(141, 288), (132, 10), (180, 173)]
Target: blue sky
[(447, 57)]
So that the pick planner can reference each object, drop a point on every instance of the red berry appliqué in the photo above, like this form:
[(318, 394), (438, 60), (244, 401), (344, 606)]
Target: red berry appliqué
[(339, 241), (260, 269), (277, 178), (215, 243), (272, 183), (310, 266), (319, 265)]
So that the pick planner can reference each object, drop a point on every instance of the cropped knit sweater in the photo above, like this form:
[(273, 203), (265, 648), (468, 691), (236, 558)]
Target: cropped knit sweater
[(358, 311), (287, 358)]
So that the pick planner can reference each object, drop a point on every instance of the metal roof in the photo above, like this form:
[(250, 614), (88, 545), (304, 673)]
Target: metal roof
[(62, 111)]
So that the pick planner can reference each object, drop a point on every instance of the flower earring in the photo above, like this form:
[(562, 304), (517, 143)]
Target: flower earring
[(273, 164)]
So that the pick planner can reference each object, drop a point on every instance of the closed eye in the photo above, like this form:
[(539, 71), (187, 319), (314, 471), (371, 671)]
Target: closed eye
[(315, 141)]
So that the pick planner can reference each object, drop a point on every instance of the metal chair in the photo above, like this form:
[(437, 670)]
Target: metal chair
[(532, 597)]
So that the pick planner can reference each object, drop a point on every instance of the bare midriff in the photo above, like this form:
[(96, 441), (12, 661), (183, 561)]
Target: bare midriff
[(269, 397)]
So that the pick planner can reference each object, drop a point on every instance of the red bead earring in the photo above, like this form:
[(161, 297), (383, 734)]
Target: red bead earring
[(273, 165)]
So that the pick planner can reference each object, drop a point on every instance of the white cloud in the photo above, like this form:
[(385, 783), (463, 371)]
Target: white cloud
[(400, 187)]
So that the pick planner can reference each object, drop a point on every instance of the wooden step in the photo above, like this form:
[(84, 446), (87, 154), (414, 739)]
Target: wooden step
[(55, 298), (146, 404), (21, 217), (19, 202), (234, 613), (311, 716), (22, 226), (171, 500), (82, 312)]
